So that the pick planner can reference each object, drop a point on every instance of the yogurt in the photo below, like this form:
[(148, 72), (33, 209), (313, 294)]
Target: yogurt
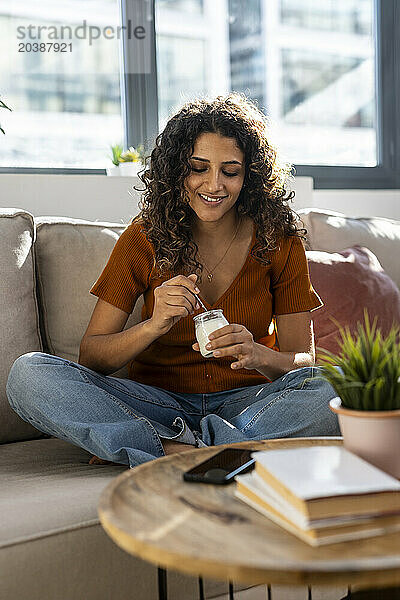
[(207, 322)]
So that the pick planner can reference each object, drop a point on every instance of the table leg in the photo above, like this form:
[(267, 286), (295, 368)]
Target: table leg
[(231, 591), (201, 589), (162, 584)]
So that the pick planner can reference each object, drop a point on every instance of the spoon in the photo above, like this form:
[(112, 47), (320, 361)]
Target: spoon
[(201, 302)]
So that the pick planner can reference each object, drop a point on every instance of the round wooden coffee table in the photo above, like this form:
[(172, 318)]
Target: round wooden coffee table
[(202, 529)]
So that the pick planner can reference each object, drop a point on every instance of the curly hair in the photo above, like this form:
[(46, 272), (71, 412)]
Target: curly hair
[(165, 213)]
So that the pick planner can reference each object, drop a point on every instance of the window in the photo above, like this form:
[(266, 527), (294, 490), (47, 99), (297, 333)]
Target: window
[(310, 65), (176, 73), (325, 73), (63, 88)]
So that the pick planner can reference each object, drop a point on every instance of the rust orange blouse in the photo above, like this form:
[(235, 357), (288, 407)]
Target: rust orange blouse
[(257, 294)]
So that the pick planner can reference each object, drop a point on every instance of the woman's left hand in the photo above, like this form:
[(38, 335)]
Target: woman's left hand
[(233, 340)]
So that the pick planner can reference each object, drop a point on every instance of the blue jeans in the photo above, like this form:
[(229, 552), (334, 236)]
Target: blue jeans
[(124, 421)]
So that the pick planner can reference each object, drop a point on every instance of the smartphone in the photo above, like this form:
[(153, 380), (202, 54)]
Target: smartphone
[(222, 467)]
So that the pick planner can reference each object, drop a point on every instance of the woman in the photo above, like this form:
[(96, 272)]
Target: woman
[(215, 224)]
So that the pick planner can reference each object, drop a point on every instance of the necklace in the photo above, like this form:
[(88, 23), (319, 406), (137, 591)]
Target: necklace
[(211, 273)]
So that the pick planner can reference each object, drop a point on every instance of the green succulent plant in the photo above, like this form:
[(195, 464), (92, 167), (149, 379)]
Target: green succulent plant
[(369, 374), (116, 154), (133, 154), (3, 105)]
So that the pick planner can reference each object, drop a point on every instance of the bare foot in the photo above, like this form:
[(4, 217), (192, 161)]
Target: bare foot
[(95, 460), (171, 447)]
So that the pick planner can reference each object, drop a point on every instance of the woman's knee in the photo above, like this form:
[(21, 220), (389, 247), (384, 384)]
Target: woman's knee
[(328, 419), (312, 378), (314, 393), (25, 364), (325, 389), (25, 376)]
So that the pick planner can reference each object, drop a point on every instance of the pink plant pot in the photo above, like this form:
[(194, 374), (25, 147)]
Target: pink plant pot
[(372, 435)]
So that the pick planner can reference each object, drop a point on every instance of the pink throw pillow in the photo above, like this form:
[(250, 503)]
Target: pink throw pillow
[(347, 282)]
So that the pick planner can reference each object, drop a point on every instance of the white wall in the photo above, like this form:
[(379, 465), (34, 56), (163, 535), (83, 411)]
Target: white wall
[(93, 197), (360, 203), (102, 198)]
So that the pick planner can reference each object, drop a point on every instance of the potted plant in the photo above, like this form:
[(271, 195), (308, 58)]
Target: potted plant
[(132, 160), (366, 378), (3, 105), (116, 152)]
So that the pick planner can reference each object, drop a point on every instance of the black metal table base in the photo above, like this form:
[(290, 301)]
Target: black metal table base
[(162, 584), (163, 588), (385, 594), (230, 591), (201, 589)]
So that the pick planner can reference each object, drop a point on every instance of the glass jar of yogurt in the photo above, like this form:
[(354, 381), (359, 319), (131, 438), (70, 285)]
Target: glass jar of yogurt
[(205, 323)]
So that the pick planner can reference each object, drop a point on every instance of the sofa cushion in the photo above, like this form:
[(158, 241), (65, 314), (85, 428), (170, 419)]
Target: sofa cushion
[(332, 231), (349, 281), (19, 327), (70, 255), (51, 542)]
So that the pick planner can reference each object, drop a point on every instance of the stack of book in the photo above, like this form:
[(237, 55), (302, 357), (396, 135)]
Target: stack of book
[(322, 494)]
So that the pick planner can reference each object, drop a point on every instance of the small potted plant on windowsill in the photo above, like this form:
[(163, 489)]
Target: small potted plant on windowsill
[(116, 152), (367, 383), (131, 161)]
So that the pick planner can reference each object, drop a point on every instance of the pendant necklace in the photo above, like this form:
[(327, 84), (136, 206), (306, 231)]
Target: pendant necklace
[(211, 273)]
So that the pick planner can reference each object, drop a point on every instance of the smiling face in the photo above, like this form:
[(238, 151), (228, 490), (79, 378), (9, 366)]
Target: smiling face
[(216, 178)]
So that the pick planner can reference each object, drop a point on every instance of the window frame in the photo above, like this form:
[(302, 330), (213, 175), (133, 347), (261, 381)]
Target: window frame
[(386, 175), (140, 106)]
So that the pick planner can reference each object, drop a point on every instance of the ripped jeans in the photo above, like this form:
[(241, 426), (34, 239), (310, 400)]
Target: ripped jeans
[(123, 421)]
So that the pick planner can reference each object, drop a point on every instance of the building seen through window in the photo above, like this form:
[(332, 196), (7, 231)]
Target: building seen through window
[(66, 105), (310, 65)]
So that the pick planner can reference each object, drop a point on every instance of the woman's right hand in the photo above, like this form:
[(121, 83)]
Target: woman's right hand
[(173, 300)]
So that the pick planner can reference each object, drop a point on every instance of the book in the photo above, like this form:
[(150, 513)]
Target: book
[(253, 485), (251, 489), (328, 481)]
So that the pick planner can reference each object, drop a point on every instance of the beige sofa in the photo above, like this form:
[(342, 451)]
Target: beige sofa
[(51, 543)]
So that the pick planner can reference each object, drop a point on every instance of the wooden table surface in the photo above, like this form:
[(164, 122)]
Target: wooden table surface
[(202, 529)]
